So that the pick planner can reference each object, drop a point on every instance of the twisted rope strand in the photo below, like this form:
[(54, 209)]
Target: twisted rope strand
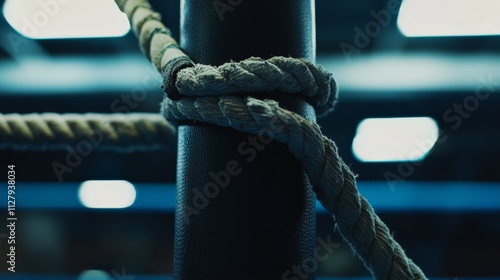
[(254, 74), (192, 86), (332, 180), (118, 132), (184, 78)]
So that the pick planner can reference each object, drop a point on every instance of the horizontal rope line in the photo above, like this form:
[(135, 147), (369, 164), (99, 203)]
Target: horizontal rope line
[(115, 132), (190, 88)]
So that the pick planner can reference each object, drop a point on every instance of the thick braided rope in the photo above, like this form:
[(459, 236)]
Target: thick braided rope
[(117, 132), (184, 78), (332, 180)]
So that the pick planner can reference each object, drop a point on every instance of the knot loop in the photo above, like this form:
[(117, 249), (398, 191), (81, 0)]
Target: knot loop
[(253, 75), (205, 93)]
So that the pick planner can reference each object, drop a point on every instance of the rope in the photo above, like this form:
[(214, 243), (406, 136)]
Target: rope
[(332, 180), (204, 93), (117, 132), (189, 87), (254, 74), (184, 78)]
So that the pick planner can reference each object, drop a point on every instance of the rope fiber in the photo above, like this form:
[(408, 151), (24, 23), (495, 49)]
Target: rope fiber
[(116, 132), (204, 93), (332, 180), (209, 94)]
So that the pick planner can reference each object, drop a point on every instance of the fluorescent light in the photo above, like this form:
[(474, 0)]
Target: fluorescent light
[(449, 18), (394, 139), (76, 74), (47, 19), (385, 74), (106, 194), (94, 275)]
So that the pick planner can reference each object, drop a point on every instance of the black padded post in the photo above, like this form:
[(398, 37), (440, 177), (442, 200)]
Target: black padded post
[(244, 210)]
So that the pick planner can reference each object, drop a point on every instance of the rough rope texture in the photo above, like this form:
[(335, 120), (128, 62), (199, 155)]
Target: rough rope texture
[(188, 84), (254, 74), (184, 78), (332, 180), (117, 132), (189, 87)]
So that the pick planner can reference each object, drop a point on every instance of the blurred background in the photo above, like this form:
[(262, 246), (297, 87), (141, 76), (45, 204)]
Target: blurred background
[(417, 118)]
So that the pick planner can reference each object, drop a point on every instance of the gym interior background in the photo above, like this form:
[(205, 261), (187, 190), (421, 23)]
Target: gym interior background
[(417, 119)]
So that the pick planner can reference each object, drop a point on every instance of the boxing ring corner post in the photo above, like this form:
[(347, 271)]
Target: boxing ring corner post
[(244, 207)]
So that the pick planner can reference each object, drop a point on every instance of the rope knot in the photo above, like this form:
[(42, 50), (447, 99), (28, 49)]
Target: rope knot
[(183, 78), (197, 92)]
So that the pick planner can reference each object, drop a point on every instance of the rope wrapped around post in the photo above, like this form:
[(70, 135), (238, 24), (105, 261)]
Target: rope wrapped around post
[(203, 93)]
